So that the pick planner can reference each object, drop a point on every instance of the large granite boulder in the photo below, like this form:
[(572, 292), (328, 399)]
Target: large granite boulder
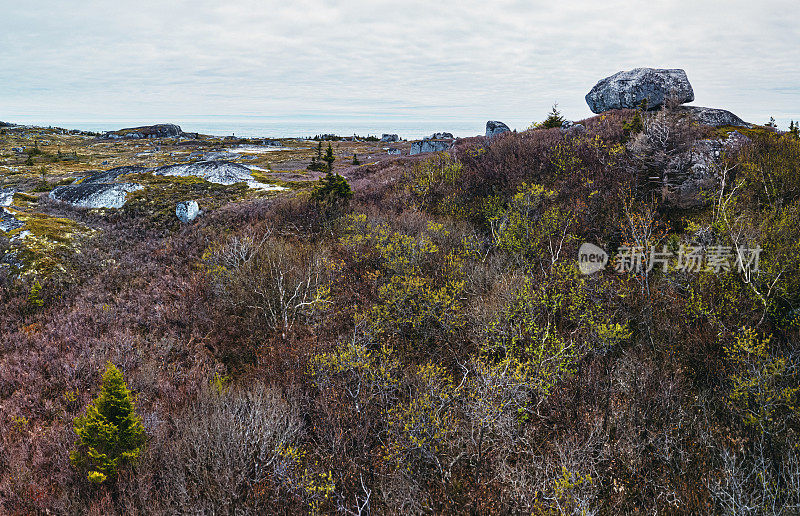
[(390, 138), (713, 116), (187, 211), (220, 172), (424, 146), (493, 128), (628, 89), (94, 195), (146, 131)]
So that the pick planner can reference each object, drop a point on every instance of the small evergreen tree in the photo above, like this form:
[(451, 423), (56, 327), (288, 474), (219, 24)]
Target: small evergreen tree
[(110, 433), (554, 119), (329, 158), (332, 194), (355, 160), (771, 122), (794, 129)]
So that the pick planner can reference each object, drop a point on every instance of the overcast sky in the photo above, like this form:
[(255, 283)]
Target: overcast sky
[(504, 60)]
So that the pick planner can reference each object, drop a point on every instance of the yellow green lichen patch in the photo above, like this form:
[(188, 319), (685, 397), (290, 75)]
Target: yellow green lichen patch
[(161, 193), (45, 241)]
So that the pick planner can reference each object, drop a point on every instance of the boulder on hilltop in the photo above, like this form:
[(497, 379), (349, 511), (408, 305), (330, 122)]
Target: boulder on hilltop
[(628, 89)]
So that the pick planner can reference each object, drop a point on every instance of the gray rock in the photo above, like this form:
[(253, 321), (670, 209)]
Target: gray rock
[(9, 222), (440, 136), (628, 89), (424, 146), (6, 196), (18, 150), (220, 172), (221, 156), (187, 211), (713, 116), (493, 128), (95, 195), (394, 152), (390, 138), (568, 127), (111, 175)]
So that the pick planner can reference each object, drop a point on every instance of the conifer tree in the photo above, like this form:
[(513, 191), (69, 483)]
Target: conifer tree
[(355, 160), (554, 119), (110, 433), (329, 158)]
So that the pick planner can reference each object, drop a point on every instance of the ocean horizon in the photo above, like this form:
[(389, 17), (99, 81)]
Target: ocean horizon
[(279, 127)]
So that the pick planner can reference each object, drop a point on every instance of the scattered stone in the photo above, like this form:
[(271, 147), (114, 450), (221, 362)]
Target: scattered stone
[(394, 152), (493, 128), (390, 138), (713, 116), (187, 211), (220, 172), (628, 89), (94, 195), (18, 150)]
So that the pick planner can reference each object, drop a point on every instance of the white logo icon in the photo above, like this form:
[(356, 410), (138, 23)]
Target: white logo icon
[(591, 258)]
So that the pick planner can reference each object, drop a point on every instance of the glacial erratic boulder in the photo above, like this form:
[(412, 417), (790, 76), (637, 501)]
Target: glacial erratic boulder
[(713, 116), (390, 138), (628, 89), (187, 211), (94, 195), (220, 172), (494, 127)]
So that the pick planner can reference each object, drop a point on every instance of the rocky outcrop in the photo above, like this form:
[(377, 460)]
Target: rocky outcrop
[(440, 136), (424, 146), (187, 211), (493, 128), (220, 172), (693, 188), (95, 195), (111, 175), (629, 89), (390, 138), (713, 116), (9, 222), (147, 131)]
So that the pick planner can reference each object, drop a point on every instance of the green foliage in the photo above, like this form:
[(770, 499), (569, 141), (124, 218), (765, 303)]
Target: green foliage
[(110, 433), (35, 296), (355, 160), (529, 224), (329, 158), (538, 337), (332, 194), (764, 387), (435, 185), (632, 127), (554, 119)]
